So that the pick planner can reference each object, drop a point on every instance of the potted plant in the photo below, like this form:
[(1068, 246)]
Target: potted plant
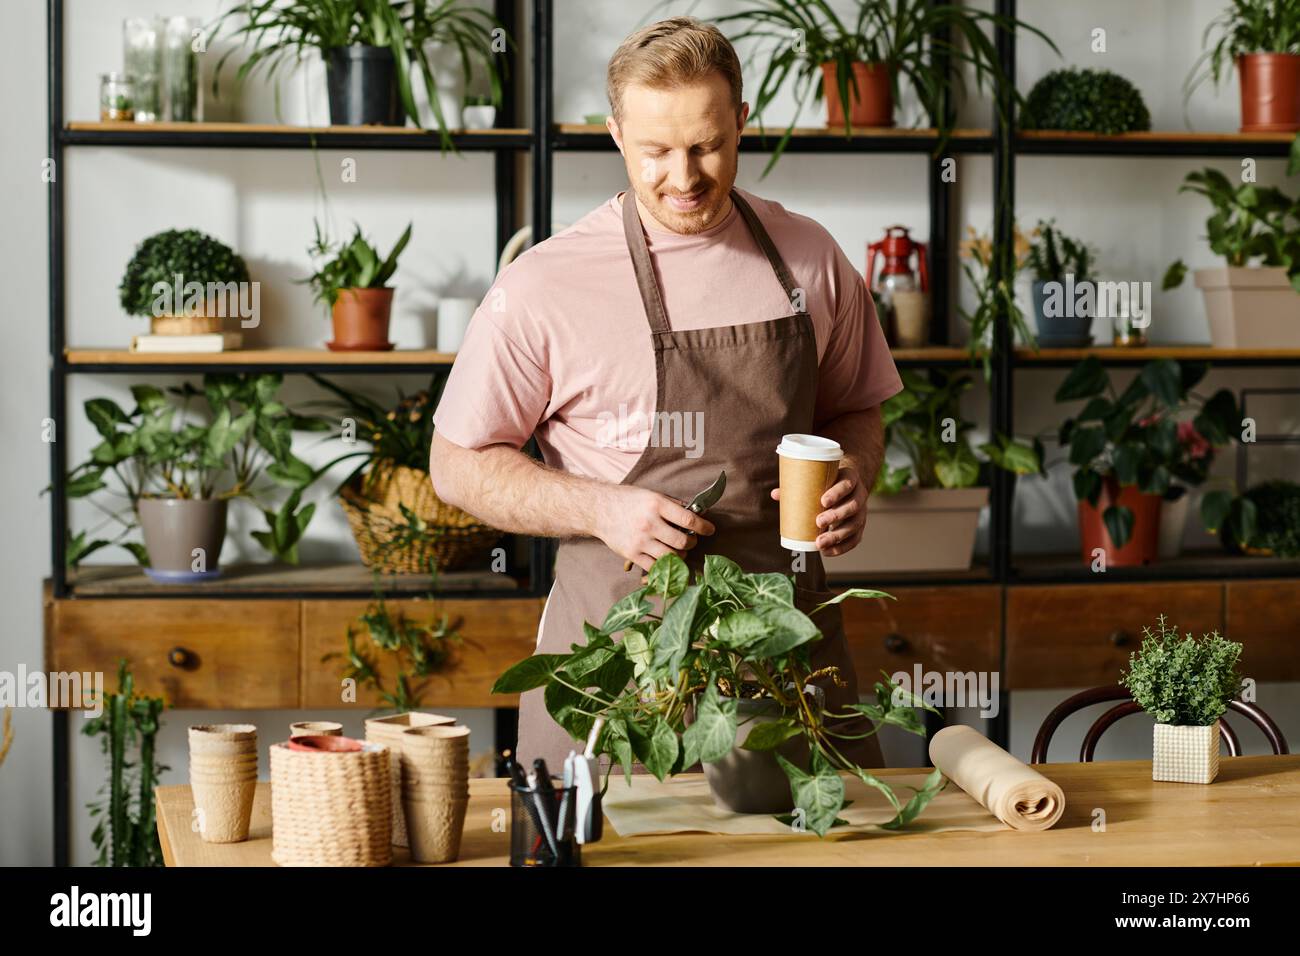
[(184, 280), (1087, 101), (991, 295), (478, 112), (1252, 303), (1262, 38), (1264, 521), (1126, 450), (1064, 293), (1185, 685), (672, 690), (353, 283), (177, 471), (860, 61), (923, 515), (370, 49), (400, 524)]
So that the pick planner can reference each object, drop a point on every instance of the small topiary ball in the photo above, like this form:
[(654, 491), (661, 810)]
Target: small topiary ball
[(1089, 101), (193, 255)]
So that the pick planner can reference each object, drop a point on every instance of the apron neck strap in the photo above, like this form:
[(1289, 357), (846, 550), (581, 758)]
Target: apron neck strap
[(645, 276)]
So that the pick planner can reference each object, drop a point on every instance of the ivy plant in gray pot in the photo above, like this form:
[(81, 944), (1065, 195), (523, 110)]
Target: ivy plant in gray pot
[(171, 472)]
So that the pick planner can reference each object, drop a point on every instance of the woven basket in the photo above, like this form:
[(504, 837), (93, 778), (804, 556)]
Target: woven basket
[(184, 324), (371, 504), (331, 809)]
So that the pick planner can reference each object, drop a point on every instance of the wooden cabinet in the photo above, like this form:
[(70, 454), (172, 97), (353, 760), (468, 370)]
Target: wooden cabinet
[(1264, 617), (954, 628), (1081, 635), (205, 654)]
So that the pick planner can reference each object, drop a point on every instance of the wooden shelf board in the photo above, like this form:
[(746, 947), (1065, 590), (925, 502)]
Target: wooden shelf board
[(1036, 568), (931, 353), (1148, 352), (1156, 136), (268, 356), (122, 126), (319, 580), (778, 131)]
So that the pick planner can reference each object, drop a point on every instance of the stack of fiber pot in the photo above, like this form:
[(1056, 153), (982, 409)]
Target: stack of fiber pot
[(435, 790), (388, 731), (331, 802), (223, 778)]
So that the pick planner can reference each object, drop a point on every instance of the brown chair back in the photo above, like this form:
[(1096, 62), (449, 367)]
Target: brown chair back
[(1097, 695)]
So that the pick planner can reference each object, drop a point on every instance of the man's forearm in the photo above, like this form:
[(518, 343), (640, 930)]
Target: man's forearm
[(513, 492), (862, 436)]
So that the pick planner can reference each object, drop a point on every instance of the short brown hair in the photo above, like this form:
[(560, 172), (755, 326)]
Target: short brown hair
[(679, 50)]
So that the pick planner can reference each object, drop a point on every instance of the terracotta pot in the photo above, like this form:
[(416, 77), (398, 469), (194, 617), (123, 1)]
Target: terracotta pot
[(1250, 308), (1143, 545), (361, 320), (930, 529), (1270, 92), (872, 99), (322, 744)]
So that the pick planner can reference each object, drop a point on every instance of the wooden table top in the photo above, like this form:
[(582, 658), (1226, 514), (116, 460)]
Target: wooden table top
[(1249, 816)]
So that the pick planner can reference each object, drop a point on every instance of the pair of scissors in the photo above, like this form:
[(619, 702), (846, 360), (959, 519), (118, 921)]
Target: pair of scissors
[(701, 503)]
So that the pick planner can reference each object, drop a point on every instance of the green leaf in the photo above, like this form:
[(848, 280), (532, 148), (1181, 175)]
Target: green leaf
[(771, 734), (656, 750), (105, 415), (529, 673), (1086, 444), (88, 482), (933, 785), (820, 796), (713, 733), (673, 638), (787, 628), (291, 472), (149, 398), (1165, 380), (767, 588), (1127, 458), (628, 609), (636, 646), (1215, 506), (668, 576), (1119, 524), (739, 629), (864, 593), (1220, 418), (1085, 380), (1177, 270)]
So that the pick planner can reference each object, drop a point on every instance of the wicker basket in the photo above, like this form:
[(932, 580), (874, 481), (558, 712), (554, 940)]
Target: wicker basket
[(184, 324), (372, 505), (331, 809)]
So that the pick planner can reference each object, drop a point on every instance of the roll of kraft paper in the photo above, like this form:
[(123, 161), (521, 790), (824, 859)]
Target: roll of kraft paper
[(1012, 791)]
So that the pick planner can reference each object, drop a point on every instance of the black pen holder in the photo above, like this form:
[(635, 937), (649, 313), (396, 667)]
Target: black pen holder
[(529, 844)]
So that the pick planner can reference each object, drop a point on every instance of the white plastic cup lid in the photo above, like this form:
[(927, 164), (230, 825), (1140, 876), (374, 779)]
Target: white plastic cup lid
[(809, 448)]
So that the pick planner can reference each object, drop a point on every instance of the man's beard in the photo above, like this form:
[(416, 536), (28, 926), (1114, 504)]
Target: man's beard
[(686, 223)]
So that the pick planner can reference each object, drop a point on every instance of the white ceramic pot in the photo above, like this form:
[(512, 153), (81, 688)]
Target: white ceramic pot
[(409, 330), (928, 529), (453, 320), (1173, 524), (1185, 754), (1250, 308), (478, 117)]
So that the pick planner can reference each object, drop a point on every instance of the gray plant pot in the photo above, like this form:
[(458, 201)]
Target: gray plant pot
[(751, 781), (1063, 331), (174, 529)]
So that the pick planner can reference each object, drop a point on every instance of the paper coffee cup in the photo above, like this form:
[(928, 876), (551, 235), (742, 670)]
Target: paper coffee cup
[(808, 465)]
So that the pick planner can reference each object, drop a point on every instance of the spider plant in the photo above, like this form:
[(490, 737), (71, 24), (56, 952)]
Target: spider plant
[(284, 32), (1247, 26), (911, 38)]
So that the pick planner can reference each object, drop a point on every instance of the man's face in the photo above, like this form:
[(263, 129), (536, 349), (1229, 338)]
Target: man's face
[(680, 146)]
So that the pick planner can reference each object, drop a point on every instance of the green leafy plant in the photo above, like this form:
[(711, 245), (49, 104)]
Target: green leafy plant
[(285, 31), (161, 258), (1264, 520), (798, 36), (726, 636), (1250, 224), (1183, 681), (1054, 255), (238, 446), (355, 264), (125, 833), (1132, 437), (1246, 26), (418, 649), (925, 423), (1090, 101), (993, 296), (399, 435)]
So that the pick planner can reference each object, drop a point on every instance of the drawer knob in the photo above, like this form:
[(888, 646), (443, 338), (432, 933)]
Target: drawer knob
[(180, 657), (1119, 638), (895, 643)]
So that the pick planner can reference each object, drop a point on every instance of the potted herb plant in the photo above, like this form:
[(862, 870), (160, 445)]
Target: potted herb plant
[(1262, 39), (1088, 101), (924, 515), (177, 471), (1126, 451), (1064, 293), (400, 524), (1185, 685), (671, 691), (353, 282), (184, 280), (861, 59), (1253, 302), (370, 49)]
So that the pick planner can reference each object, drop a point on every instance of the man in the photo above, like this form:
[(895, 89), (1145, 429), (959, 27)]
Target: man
[(689, 299)]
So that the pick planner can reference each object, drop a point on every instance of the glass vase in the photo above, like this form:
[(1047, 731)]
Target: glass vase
[(182, 98), (142, 62)]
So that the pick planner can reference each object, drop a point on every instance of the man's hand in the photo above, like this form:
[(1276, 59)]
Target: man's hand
[(642, 525), (845, 516)]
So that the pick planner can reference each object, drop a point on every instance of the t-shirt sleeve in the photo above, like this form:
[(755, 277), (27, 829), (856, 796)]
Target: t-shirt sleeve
[(496, 393), (857, 371)]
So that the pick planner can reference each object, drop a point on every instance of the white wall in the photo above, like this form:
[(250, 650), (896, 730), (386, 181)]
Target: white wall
[(263, 203)]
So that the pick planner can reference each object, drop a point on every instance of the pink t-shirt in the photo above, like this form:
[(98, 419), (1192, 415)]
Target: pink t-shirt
[(561, 347)]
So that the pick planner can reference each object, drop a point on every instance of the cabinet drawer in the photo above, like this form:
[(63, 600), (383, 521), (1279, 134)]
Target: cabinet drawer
[(942, 629), (1081, 635), (494, 634), (239, 655), (1264, 617)]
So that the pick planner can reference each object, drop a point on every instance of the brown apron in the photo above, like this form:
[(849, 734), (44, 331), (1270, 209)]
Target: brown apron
[(754, 383)]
